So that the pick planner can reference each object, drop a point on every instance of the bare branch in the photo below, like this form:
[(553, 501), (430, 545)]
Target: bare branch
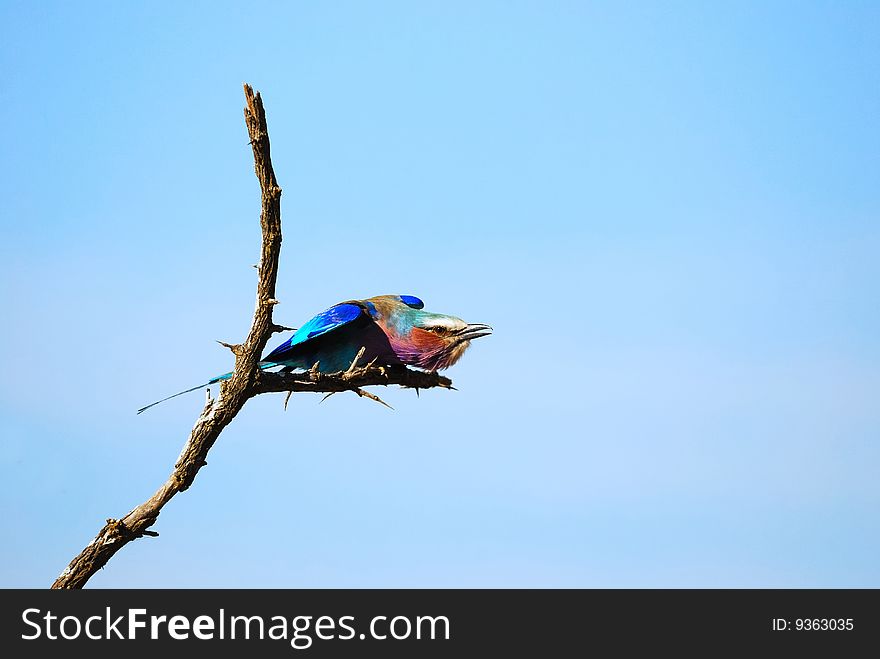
[(218, 413), (350, 380)]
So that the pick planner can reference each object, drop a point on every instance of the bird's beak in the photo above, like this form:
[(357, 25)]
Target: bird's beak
[(474, 331)]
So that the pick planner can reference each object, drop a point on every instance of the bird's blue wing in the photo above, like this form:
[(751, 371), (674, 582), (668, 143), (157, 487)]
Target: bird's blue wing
[(326, 321)]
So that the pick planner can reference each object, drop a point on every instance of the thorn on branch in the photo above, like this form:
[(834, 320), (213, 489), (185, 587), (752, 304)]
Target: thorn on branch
[(356, 359), (326, 397), (234, 347), (280, 328), (287, 398), (363, 393)]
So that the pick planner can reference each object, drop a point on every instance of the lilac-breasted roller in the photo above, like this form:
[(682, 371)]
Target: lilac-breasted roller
[(392, 329)]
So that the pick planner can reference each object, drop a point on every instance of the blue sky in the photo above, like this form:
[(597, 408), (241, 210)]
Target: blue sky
[(669, 214)]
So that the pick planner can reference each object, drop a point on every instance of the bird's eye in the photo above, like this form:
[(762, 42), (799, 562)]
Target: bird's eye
[(436, 329)]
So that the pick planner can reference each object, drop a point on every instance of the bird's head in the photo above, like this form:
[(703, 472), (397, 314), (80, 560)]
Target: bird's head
[(420, 338), (443, 339)]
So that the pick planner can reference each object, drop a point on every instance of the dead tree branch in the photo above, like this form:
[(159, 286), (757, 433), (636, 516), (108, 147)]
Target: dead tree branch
[(351, 380), (247, 380)]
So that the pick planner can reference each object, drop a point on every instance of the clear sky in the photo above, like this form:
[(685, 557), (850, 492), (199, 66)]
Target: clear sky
[(669, 212)]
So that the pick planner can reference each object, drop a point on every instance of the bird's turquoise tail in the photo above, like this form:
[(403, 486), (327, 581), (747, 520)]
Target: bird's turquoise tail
[(219, 378)]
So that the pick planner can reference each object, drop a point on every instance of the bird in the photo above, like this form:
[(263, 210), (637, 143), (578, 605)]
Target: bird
[(392, 330)]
